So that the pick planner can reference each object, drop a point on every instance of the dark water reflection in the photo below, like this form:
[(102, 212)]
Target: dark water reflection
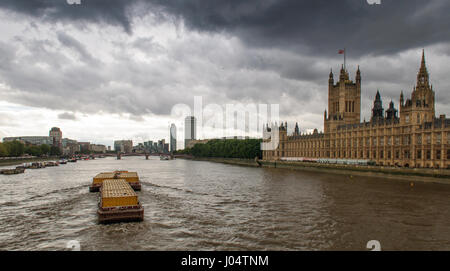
[(207, 206)]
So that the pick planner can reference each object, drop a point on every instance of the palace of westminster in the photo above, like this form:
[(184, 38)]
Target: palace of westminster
[(412, 138)]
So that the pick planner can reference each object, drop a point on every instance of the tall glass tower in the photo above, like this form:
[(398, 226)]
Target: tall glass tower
[(173, 137), (190, 130)]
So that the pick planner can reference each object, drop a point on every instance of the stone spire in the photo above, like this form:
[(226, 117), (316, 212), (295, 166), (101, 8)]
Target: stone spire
[(331, 78), (377, 110), (401, 98), (423, 76), (358, 75)]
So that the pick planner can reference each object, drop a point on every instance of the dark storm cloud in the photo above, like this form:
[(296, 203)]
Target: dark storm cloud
[(115, 12), (288, 49), (313, 26)]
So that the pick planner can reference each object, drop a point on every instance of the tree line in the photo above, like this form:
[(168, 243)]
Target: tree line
[(17, 149), (226, 148)]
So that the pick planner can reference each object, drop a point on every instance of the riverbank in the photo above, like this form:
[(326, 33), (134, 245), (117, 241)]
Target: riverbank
[(21, 161), (408, 174)]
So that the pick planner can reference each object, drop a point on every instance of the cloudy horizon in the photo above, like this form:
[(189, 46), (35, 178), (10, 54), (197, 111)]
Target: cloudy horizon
[(107, 70)]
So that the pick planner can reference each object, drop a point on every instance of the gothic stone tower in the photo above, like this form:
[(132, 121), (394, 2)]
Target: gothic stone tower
[(420, 107), (344, 101)]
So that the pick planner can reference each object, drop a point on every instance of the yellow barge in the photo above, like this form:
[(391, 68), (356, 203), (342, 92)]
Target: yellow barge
[(118, 202), (131, 177)]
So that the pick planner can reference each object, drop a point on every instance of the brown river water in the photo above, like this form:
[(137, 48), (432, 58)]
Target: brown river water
[(193, 205)]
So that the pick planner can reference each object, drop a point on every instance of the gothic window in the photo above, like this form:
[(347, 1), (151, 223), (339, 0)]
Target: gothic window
[(418, 118), (397, 140), (382, 141), (428, 154), (406, 154), (389, 154), (406, 140), (438, 138), (428, 139), (389, 142), (438, 154), (381, 154), (374, 142), (397, 154), (419, 139), (419, 154), (448, 154), (407, 118)]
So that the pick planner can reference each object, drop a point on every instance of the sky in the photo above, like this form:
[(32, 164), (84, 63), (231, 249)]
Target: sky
[(107, 70)]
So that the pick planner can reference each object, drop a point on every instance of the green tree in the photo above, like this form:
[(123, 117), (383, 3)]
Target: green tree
[(3, 150), (55, 151), (45, 149), (227, 148), (15, 148), (33, 150)]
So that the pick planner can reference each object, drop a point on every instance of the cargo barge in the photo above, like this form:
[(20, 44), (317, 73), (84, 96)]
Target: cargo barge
[(118, 202), (131, 177), (13, 171)]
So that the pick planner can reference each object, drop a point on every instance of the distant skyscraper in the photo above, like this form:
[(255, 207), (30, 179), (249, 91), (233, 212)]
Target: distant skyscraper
[(56, 134), (190, 129), (173, 137)]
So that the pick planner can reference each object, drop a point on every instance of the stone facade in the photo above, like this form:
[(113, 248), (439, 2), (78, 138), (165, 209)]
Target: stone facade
[(416, 138)]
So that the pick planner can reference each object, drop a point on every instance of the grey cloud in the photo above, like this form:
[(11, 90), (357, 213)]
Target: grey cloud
[(67, 116), (74, 44), (114, 12), (319, 27)]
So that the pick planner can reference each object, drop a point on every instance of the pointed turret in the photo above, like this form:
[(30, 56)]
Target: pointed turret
[(342, 75), (297, 130), (391, 113), (401, 99), (377, 110), (423, 76), (358, 76), (331, 78)]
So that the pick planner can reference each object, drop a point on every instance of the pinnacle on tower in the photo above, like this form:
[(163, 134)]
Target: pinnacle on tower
[(422, 76)]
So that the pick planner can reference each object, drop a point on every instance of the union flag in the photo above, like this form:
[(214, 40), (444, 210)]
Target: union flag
[(342, 51)]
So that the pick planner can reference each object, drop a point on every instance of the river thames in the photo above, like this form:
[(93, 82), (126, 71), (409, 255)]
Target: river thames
[(196, 205)]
